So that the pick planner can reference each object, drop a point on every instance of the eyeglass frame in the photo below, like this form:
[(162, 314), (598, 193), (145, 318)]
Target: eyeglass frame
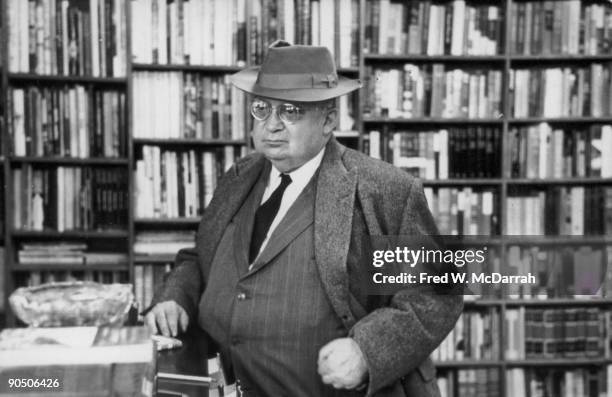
[(303, 107)]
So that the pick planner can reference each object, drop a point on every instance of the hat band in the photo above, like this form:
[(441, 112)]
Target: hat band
[(296, 81)]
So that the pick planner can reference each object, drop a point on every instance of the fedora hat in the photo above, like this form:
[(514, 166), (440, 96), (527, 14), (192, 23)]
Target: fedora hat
[(297, 73)]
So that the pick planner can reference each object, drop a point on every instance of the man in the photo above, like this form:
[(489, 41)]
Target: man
[(277, 277)]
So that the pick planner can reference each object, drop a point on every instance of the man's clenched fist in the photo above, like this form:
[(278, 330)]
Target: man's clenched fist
[(166, 318), (342, 364)]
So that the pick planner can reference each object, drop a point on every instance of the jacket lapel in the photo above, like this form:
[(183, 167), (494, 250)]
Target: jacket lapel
[(229, 196), (298, 217), (335, 196), (245, 222)]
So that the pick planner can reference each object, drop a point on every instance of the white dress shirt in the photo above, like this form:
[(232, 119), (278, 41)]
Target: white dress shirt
[(299, 179)]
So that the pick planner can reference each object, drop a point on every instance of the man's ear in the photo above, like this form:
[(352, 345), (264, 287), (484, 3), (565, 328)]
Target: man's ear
[(331, 121)]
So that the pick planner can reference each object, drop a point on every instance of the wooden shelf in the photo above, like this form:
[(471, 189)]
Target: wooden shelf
[(482, 302), (72, 234), (153, 259), (186, 68), (468, 363), (58, 79), (17, 268), (560, 181), (552, 362), (167, 221), (559, 58), (558, 362), (439, 120), (351, 70), (187, 142), (70, 160), (499, 121), (533, 302), (463, 182), (560, 120), (435, 58), (557, 240), (558, 302)]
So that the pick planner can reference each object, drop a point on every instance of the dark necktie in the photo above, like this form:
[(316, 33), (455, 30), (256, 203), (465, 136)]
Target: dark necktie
[(265, 215)]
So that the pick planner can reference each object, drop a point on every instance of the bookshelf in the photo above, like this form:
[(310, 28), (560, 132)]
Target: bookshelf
[(3, 175), (65, 142), (152, 64)]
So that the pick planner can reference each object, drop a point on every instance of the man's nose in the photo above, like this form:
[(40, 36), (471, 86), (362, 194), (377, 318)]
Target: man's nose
[(274, 123)]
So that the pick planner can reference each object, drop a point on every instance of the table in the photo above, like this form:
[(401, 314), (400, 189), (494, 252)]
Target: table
[(183, 372)]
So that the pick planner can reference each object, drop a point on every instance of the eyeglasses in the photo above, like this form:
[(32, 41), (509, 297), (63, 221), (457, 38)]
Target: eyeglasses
[(287, 112)]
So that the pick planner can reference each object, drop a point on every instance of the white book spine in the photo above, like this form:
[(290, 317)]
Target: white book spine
[(315, 23), (577, 208), (327, 24), (95, 44), (19, 136), (606, 153), (458, 27)]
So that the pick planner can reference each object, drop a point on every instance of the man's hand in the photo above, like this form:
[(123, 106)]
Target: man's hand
[(166, 318), (341, 364)]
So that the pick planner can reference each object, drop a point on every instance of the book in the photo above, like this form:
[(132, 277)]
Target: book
[(67, 355)]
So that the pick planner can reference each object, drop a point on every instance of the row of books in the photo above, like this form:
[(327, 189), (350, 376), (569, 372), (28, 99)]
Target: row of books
[(440, 154), (67, 37), (420, 27), (570, 332), (177, 105), (67, 253), (559, 382), (38, 277), (68, 121), (560, 271), (561, 92), (69, 198), (555, 333), (330, 23), (2, 282), (560, 210), (191, 32), (173, 183), (146, 278), (162, 243), (484, 382), (432, 90), (531, 333), (560, 27), (467, 211), (540, 151), (475, 337)]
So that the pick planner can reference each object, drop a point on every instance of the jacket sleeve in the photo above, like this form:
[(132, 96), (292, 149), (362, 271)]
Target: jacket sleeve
[(397, 338), (184, 284)]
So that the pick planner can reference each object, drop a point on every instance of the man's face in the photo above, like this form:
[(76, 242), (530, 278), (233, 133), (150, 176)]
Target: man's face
[(288, 145)]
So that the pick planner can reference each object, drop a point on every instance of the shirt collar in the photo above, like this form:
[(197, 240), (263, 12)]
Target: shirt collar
[(304, 173)]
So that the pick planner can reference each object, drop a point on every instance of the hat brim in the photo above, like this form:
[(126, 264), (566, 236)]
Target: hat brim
[(246, 79)]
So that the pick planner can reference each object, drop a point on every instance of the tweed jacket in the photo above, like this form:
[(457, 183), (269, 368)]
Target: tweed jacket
[(355, 196)]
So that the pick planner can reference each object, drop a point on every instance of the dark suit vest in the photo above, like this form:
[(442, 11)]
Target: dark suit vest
[(272, 320)]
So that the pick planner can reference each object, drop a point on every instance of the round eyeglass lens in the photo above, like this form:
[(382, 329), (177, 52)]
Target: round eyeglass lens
[(290, 113), (260, 109)]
